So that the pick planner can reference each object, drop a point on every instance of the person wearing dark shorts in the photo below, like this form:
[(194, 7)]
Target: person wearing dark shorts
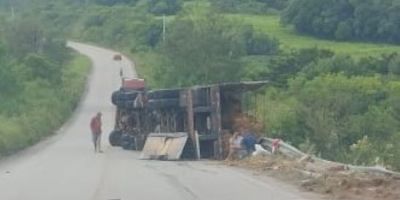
[(249, 141)]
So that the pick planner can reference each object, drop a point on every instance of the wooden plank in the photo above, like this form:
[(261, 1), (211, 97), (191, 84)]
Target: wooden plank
[(164, 146), (203, 109), (175, 147), (216, 118), (190, 122), (152, 147)]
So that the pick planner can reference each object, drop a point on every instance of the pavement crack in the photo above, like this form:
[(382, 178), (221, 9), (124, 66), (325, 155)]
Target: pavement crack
[(179, 185), (174, 181)]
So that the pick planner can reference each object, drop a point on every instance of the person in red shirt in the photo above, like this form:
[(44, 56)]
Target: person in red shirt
[(95, 126)]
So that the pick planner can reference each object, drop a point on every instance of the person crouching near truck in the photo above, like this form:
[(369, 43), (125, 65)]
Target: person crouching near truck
[(95, 126), (249, 142), (235, 146)]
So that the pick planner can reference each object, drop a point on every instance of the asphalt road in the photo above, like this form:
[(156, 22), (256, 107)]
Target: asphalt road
[(64, 167)]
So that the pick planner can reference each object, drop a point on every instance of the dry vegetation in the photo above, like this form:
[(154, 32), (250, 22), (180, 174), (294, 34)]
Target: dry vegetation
[(334, 183)]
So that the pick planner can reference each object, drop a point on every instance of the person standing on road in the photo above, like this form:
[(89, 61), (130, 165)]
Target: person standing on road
[(95, 126)]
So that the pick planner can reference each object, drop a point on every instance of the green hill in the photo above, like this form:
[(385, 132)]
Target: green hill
[(271, 25)]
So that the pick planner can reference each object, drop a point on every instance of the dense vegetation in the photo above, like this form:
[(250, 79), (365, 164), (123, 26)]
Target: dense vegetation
[(342, 107), (249, 6), (335, 106), (369, 20), (40, 82), (204, 46)]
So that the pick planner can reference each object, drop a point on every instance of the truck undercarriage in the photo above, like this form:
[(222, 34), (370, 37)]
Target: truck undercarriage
[(183, 123)]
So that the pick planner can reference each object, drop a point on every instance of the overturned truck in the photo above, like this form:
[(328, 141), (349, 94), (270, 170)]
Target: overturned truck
[(182, 123)]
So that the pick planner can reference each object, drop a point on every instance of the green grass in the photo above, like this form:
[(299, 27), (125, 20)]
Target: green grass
[(80, 64), (145, 63), (289, 39), (75, 75), (44, 114)]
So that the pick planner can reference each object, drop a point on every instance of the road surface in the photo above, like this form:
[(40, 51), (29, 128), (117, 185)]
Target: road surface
[(65, 167)]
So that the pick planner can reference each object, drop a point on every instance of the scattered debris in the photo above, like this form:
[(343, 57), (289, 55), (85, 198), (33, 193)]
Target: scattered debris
[(260, 151), (336, 180)]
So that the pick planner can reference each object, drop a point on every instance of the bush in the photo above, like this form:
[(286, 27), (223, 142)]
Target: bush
[(199, 50), (284, 66), (353, 120), (259, 43), (262, 44), (164, 7), (41, 68)]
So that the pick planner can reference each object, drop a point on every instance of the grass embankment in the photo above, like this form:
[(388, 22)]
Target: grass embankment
[(45, 109), (289, 39)]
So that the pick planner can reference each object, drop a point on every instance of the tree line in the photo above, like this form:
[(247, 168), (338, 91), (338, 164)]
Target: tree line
[(368, 20), (250, 6)]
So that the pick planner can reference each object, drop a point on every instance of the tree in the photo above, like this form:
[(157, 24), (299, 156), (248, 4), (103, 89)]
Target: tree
[(8, 83), (164, 7), (259, 43), (337, 111), (25, 36), (200, 49), (283, 67), (344, 31)]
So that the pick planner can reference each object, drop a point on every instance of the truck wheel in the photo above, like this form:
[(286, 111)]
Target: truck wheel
[(163, 94), (119, 97), (127, 95), (115, 138), (163, 103), (128, 144), (115, 97)]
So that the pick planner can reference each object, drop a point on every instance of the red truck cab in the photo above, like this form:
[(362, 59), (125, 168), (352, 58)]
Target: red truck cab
[(133, 84)]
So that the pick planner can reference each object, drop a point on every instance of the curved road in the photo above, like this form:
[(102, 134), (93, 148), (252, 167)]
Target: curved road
[(64, 167)]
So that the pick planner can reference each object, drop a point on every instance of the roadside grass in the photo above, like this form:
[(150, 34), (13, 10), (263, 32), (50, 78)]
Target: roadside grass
[(75, 75), (46, 112), (270, 24)]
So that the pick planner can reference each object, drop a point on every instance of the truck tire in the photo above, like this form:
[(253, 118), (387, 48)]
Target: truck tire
[(128, 146), (127, 95), (163, 103), (124, 99), (128, 142), (115, 138), (123, 95), (163, 94), (115, 97)]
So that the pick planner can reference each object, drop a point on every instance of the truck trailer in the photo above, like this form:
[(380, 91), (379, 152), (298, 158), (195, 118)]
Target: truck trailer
[(179, 123)]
